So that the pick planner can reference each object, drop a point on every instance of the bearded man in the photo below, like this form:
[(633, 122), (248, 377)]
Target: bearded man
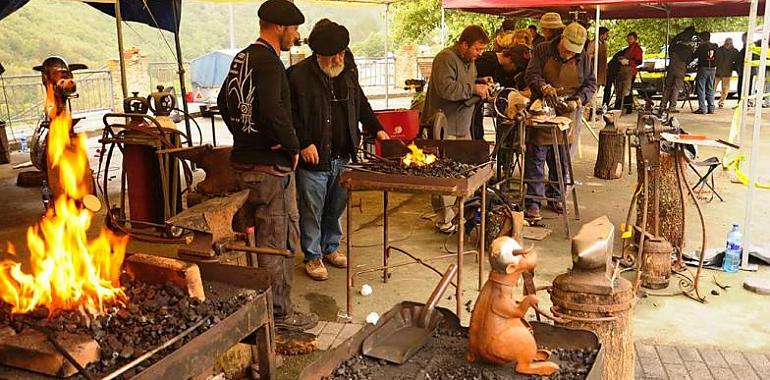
[(327, 105)]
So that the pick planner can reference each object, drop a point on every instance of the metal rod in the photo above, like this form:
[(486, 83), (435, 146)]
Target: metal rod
[(460, 249), (154, 351), (387, 57), (385, 241), (180, 68), (755, 139), (678, 152), (596, 63), (560, 176), (118, 21), (348, 245), (232, 30), (640, 251), (62, 350), (482, 234), (443, 26)]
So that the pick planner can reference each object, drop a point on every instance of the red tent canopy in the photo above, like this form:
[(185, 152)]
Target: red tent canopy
[(610, 9)]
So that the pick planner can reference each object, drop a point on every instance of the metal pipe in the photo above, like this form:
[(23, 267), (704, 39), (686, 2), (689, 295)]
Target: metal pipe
[(640, 249), (385, 242), (482, 234), (348, 245), (443, 27), (232, 29), (746, 87), (387, 57), (118, 21), (596, 62), (460, 254), (154, 351), (755, 138), (180, 69)]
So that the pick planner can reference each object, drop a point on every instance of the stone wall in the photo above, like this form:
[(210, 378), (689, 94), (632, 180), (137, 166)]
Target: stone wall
[(137, 77)]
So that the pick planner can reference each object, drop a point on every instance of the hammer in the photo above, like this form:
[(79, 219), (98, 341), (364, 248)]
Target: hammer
[(221, 248)]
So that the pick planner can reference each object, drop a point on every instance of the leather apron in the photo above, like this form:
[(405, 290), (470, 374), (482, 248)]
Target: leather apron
[(562, 75)]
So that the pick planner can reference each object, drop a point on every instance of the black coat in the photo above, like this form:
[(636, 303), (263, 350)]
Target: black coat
[(312, 109)]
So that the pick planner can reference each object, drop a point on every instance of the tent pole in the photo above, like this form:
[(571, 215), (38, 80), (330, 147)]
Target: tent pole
[(755, 139), (596, 58), (387, 56), (667, 58), (443, 26), (119, 23), (180, 69), (745, 89), (232, 25)]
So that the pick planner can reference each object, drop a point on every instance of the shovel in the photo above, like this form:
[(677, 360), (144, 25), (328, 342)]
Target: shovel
[(404, 330)]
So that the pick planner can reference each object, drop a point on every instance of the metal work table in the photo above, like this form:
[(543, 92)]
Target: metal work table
[(463, 188)]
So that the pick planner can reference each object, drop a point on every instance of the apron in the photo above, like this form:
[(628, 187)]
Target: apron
[(562, 75)]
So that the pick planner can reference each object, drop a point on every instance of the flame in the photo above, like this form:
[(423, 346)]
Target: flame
[(66, 271), (417, 158)]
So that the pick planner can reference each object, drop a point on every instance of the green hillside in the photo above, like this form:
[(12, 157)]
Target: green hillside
[(80, 33)]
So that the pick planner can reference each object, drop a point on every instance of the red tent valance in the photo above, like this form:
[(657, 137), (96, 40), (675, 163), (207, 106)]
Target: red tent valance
[(610, 9)]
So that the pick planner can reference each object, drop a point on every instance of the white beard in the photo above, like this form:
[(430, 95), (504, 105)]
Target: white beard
[(332, 71)]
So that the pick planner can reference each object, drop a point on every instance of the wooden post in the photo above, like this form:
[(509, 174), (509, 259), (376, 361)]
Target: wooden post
[(609, 158), (656, 267), (671, 221)]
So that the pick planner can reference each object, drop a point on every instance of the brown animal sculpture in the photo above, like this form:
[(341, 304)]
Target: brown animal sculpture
[(498, 333)]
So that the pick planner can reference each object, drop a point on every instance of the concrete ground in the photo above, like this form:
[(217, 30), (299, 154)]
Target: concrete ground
[(735, 319)]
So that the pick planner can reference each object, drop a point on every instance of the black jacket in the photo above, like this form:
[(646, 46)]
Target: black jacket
[(256, 107), (312, 109)]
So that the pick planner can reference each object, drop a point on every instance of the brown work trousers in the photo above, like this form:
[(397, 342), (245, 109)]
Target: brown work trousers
[(272, 209)]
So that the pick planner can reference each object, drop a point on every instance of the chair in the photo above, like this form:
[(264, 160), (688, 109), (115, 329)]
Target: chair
[(706, 179)]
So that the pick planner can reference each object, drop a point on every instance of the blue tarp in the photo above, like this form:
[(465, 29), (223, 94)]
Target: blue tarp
[(159, 13), (211, 69)]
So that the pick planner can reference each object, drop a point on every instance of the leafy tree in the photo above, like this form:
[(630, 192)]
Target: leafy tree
[(372, 46)]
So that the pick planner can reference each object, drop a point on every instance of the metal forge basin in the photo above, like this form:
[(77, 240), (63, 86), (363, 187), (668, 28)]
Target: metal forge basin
[(546, 335), (252, 324)]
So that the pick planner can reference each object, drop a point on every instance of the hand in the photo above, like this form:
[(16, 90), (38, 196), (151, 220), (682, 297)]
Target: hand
[(623, 61), (573, 104), (382, 135), (482, 90), (294, 161), (549, 90), (310, 154)]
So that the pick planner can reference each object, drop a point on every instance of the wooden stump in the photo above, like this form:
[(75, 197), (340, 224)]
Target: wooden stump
[(616, 335), (671, 220), (609, 158), (656, 266)]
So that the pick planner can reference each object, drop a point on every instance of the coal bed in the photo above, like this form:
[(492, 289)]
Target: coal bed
[(444, 358), (442, 168), (153, 315)]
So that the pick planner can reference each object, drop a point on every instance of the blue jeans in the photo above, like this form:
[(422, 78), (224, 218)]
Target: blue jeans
[(322, 200), (704, 86), (535, 159)]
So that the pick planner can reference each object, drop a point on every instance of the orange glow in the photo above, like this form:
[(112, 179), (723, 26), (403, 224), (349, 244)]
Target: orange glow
[(66, 271), (417, 158)]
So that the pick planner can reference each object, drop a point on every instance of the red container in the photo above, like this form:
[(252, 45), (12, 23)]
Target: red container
[(401, 125)]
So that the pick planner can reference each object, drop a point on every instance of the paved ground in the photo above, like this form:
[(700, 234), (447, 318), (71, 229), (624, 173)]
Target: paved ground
[(698, 363)]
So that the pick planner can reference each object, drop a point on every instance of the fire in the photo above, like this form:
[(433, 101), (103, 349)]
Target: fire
[(417, 158), (66, 271)]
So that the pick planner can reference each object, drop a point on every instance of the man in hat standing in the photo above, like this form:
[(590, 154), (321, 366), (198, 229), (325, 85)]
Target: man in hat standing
[(327, 104), (452, 95), (255, 104), (558, 68), (551, 26)]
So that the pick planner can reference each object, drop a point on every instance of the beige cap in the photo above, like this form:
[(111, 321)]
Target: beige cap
[(574, 37), (551, 20)]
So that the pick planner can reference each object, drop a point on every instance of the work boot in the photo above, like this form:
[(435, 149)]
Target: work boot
[(557, 207), (297, 321), (447, 228), (316, 270), (699, 111), (337, 259), (533, 212)]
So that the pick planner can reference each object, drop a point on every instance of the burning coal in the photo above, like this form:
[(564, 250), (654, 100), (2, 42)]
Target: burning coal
[(417, 157), (66, 271)]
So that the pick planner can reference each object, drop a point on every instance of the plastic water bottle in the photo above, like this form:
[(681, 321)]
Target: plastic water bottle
[(23, 142), (732, 261)]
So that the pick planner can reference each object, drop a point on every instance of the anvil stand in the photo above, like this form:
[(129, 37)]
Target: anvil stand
[(648, 142)]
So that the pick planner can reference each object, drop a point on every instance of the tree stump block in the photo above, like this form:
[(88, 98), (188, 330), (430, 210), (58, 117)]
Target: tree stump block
[(609, 158), (608, 314), (671, 216), (656, 266)]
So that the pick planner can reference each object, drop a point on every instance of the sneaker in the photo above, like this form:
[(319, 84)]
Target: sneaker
[(337, 259), (699, 111), (711, 111), (446, 228), (316, 270), (297, 321), (533, 212)]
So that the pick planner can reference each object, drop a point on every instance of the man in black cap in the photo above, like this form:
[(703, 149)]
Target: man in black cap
[(256, 106), (327, 104)]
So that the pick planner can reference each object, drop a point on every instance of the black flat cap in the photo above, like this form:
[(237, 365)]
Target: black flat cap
[(280, 12), (329, 39)]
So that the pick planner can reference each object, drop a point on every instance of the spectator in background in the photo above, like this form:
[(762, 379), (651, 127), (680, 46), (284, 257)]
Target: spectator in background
[(726, 60), (613, 66), (707, 68), (551, 25), (624, 94), (681, 54), (601, 74), (450, 101), (739, 66), (506, 35), (536, 37)]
